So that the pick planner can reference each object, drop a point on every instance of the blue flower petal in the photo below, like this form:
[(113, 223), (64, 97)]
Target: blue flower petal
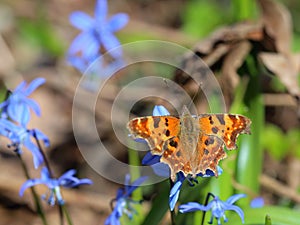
[(130, 188), (174, 194), (234, 198), (101, 10), (110, 43), (194, 206), (33, 105), (34, 85), (80, 42), (161, 169), (257, 202), (118, 21), (150, 159), (91, 50), (238, 210), (36, 154), (21, 86), (81, 20), (160, 110), (28, 184)]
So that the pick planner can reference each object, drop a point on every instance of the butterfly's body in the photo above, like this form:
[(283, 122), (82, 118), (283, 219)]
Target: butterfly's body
[(190, 144)]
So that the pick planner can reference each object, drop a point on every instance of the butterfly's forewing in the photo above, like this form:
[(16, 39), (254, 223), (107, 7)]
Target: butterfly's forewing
[(156, 130), (225, 126)]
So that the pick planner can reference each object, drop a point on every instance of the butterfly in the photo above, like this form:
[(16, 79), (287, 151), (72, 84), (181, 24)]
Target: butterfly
[(190, 144)]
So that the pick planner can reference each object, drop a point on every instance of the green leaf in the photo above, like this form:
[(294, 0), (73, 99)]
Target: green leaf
[(195, 16), (41, 34), (274, 141), (256, 216), (159, 207)]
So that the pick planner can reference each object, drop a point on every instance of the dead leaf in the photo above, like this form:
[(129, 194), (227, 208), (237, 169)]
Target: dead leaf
[(278, 24), (285, 68), (230, 34), (233, 62)]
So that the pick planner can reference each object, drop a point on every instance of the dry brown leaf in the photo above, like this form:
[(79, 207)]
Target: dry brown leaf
[(233, 61), (278, 24), (285, 68), (233, 33)]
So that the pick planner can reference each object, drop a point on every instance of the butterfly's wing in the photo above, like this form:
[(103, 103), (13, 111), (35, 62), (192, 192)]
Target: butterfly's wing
[(208, 153), (225, 126), (156, 130)]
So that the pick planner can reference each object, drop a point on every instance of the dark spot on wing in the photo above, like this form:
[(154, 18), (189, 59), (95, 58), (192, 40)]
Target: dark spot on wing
[(215, 130), (167, 122), (178, 154), (221, 119), (209, 141), (210, 120), (173, 144), (206, 152), (167, 133)]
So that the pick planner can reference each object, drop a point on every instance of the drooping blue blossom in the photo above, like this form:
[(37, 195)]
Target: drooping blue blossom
[(21, 137), (175, 190), (123, 202), (17, 106), (97, 32), (67, 180), (217, 207)]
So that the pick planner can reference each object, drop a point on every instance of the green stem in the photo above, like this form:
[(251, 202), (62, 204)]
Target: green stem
[(243, 9), (134, 162), (251, 152), (36, 199), (67, 215), (173, 214)]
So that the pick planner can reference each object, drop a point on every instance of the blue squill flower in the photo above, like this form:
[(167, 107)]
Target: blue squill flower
[(97, 32), (21, 137), (17, 106), (123, 201), (67, 180), (217, 208), (174, 193)]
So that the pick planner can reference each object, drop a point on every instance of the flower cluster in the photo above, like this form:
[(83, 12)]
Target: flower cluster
[(123, 202), (67, 180), (96, 38), (217, 208), (14, 119)]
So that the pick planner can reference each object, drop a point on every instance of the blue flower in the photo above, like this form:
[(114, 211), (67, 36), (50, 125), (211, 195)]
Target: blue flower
[(174, 193), (18, 105), (97, 32), (257, 202), (124, 204), (21, 137), (67, 180), (217, 208)]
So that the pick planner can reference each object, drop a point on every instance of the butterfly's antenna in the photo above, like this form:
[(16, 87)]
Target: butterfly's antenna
[(194, 97)]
